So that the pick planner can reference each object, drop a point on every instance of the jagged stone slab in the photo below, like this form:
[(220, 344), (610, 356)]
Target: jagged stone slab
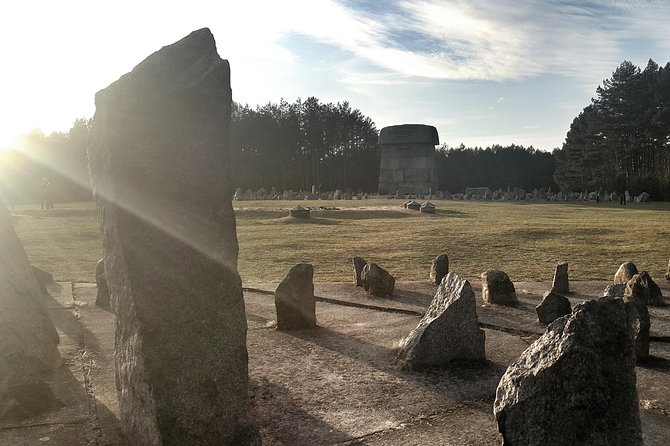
[(625, 272), (294, 299), (561, 283), (552, 307), (448, 331), (575, 385), (102, 298), (158, 157), (439, 268), (650, 293), (497, 288), (359, 264), (29, 340)]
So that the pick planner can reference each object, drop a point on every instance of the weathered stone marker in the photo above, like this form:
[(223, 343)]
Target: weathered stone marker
[(159, 163), (439, 268), (615, 290), (102, 298), (28, 338), (448, 331), (667, 274), (294, 299), (552, 307), (561, 284), (359, 264), (575, 385), (497, 288), (376, 280), (638, 315), (625, 272), (651, 294)]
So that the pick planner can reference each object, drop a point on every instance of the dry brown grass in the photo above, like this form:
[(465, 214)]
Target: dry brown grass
[(523, 239)]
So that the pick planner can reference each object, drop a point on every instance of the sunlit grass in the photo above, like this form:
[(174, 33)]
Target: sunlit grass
[(524, 239)]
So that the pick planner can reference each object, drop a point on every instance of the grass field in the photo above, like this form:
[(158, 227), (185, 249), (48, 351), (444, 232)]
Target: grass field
[(524, 239)]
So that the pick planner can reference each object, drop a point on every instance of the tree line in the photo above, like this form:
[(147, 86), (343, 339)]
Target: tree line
[(621, 141)]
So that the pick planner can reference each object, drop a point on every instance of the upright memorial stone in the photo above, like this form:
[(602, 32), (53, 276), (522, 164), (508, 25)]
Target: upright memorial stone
[(159, 163), (561, 283), (574, 386), (28, 338)]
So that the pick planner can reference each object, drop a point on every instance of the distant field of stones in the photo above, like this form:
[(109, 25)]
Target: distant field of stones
[(524, 239)]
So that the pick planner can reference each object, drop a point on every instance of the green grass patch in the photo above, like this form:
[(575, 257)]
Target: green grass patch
[(525, 239)]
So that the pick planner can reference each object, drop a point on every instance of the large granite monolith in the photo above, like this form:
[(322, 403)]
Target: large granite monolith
[(359, 264), (447, 332), (159, 162), (294, 299), (28, 338), (102, 297), (376, 280), (575, 385), (667, 273), (561, 283)]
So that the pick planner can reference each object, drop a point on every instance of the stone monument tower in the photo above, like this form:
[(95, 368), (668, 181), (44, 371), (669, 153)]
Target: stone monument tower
[(408, 159)]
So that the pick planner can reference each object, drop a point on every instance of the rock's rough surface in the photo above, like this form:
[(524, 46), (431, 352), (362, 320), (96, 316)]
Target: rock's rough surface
[(102, 298), (447, 332), (439, 268), (552, 307), (625, 272), (615, 290), (377, 280), (158, 157), (650, 293), (359, 264), (667, 274), (638, 315), (294, 299), (575, 385), (28, 338), (561, 284), (497, 288)]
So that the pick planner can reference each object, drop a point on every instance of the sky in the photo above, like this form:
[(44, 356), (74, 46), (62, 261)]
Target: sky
[(482, 71)]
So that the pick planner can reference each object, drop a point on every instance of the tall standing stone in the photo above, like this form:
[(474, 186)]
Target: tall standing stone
[(552, 307), (625, 272), (102, 297), (561, 283), (294, 299), (159, 162), (448, 331), (667, 274), (575, 385), (376, 280), (439, 268), (638, 315), (497, 288), (28, 338)]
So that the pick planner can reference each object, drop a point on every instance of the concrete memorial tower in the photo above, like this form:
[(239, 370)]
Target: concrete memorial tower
[(159, 163), (408, 159)]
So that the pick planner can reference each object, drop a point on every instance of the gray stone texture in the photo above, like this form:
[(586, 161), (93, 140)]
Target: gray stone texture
[(638, 315), (497, 288), (615, 290), (102, 297), (552, 307), (625, 272), (359, 264), (561, 284), (439, 268), (575, 385), (159, 162), (377, 280), (29, 346), (408, 159), (448, 331), (294, 299), (651, 293)]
